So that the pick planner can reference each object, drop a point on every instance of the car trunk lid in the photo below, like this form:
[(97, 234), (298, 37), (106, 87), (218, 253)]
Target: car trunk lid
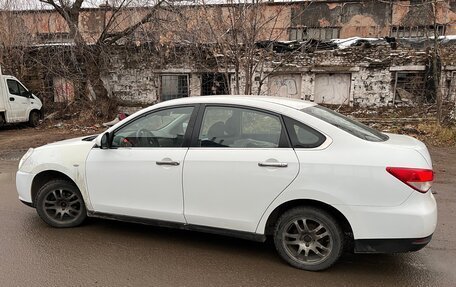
[(409, 142)]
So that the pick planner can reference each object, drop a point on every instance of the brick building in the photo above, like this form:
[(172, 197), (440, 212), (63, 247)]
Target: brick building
[(367, 72)]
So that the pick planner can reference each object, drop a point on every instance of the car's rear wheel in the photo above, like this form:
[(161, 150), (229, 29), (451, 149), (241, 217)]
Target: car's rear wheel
[(308, 238), (60, 204), (34, 119)]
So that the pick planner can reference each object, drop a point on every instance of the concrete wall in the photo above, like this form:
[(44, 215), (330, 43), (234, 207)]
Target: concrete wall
[(371, 75), (133, 73)]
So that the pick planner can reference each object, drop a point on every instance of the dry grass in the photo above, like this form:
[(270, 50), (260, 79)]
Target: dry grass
[(430, 133), (436, 135)]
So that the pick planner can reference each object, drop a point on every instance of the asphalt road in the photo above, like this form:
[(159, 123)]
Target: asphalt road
[(108, 253)]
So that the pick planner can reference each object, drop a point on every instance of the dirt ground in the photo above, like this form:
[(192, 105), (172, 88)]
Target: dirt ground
[(16, 140)]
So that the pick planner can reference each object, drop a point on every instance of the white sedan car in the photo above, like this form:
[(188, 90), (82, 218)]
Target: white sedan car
[(315, 181)]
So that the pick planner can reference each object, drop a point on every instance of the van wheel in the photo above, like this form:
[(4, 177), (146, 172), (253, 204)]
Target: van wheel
[(34, 119), (308, 238), (2, 120), (60, 204)]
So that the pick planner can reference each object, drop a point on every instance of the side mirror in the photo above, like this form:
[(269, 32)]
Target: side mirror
[(104, 141)]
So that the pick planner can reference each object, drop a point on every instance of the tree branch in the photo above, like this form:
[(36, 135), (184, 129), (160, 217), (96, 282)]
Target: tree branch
[(113, 37), (70, 14), (58, 8), (111, 20)]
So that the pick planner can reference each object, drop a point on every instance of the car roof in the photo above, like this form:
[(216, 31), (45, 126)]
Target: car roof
[(240, 99)]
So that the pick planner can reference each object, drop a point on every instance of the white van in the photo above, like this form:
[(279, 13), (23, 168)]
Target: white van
[(17, 104)]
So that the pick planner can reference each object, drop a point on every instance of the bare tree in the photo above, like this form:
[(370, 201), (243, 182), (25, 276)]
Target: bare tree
[(88, 54), (436, 66), (233, 34)]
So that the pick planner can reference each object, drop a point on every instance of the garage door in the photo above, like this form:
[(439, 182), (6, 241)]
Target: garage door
[(288, 86), (332, 88)]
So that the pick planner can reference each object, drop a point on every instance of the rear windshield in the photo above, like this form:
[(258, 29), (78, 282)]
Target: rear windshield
[(349, 125)]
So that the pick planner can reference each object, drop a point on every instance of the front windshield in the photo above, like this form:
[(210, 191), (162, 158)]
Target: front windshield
[(349, 125)]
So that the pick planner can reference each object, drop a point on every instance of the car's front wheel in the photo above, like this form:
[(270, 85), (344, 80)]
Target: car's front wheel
[(34, 119), (308, 238), (60, 204)]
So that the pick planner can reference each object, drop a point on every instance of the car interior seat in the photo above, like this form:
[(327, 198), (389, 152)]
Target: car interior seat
[(216, 132)]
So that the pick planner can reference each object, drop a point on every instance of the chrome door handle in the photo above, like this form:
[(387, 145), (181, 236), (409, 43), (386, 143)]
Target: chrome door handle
[(173, 163), (273, 164)]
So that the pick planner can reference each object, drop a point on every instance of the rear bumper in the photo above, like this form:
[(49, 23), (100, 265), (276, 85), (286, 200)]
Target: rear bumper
[(416, 218), (391, 245)]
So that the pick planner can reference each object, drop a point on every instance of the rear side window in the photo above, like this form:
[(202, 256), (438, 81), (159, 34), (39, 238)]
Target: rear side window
[(302, 136), (344, 123), (239, 128)]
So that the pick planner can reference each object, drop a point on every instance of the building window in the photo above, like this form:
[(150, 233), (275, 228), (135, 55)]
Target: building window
[(173, 87), (316, 33), (47, 38), (215, 84), (416, 31)]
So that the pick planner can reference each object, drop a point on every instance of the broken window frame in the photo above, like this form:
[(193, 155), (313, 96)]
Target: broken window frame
[(226, 85), (317, 33), (416, 31), (408, 82), (182, 92)]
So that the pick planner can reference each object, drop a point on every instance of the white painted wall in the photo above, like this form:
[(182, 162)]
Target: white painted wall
[(332, 88)]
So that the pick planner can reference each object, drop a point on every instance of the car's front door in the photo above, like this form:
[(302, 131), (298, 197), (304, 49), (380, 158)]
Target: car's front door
[(19, 101), (141, 174), (240, 160)]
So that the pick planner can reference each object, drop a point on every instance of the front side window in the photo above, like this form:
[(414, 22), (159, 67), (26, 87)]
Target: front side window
[(22, 90), (344, 123), (15, 88), (239, 128), (164, 128)]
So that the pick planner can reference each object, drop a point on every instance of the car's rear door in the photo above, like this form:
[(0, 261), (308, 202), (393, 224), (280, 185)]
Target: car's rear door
[(141, 175), (239, 161)]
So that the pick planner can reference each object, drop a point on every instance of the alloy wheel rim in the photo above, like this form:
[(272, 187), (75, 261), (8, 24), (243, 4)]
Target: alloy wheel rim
[(307, 241), (62, 205)]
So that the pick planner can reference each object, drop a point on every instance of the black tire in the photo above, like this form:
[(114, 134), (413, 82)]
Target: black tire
[(34, 119), (60, 204), (314, 244)]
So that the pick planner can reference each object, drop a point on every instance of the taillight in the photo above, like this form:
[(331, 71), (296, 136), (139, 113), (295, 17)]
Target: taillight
[(416, 178)]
